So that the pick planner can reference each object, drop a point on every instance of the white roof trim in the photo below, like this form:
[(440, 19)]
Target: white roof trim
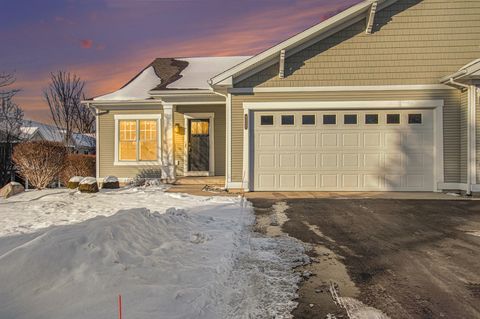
[(471, 69), (335, 21)]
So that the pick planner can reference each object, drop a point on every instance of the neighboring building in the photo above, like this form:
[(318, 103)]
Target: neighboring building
[(36, 131), (381, 97)]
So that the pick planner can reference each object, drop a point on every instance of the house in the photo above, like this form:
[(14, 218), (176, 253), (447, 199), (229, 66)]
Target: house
[(381, 97), (36, 131)]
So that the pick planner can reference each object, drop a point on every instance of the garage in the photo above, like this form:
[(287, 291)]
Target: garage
[(346, 150)]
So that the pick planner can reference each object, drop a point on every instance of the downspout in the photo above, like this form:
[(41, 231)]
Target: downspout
[(97, 140), (471, 165)]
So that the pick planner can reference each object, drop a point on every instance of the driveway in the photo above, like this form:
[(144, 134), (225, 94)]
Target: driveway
[(404, 258)]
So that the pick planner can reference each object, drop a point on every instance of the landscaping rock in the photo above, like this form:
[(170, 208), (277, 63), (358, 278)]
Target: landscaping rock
[(88, 185), (12, 188), (110, 182), (74, 182)]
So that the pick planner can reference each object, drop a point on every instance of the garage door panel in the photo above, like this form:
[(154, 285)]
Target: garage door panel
[(335, 157)]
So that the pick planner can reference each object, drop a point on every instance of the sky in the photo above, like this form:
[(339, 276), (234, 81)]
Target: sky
[(107, 42)]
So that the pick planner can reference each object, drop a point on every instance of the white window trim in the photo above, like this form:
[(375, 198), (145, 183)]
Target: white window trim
[(211, 133), (158, 117), (437, 105)]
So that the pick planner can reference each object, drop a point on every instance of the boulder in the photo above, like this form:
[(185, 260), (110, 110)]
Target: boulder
[(110, 182), (12, 188), (74, 182), (88, 185)]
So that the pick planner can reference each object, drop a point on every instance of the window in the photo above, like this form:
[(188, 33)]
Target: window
[(329, 119), (393, 118), (414, 118), (308, 119), (266, 120), (350, 119), (288, 120), (138, 140), (371, 118)]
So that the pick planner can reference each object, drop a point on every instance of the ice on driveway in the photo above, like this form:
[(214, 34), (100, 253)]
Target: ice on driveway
[(169, 255)]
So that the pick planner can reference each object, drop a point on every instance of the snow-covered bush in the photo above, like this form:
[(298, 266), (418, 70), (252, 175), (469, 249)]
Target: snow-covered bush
[(74, 182), (88, 185), (110, 182), (78, 165), (39, 161)]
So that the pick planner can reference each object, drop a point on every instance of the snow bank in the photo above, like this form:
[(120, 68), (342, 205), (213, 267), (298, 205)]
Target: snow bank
[(137, 89), (169, 255)]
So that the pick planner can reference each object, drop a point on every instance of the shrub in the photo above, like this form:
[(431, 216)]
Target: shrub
[(77, 165), (88, 185), (74, 182), (39, 161)]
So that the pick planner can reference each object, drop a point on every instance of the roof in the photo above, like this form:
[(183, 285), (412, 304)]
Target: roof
[(471, 71), (172, 74), (51, 133), (335, 23)]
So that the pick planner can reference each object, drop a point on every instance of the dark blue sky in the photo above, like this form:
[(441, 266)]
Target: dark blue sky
[(107, 42)]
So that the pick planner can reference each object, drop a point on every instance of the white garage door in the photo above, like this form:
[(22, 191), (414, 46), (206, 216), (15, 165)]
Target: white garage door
[(378, 150)]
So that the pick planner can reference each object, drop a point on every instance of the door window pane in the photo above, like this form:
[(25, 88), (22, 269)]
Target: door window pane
[(414, 118), (329, 119), (308, 119), (127, 140), (266, 120), (288, 120), (371, 119), (148, 140), (393, 118), (350, 119)]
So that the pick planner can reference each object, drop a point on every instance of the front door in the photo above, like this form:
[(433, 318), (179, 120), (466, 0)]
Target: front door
[(199, 145)]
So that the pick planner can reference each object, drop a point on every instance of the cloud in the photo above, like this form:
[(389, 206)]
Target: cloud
[(86, 43)]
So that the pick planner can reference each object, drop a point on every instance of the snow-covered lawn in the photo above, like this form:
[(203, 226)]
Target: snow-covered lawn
[(68, 255)]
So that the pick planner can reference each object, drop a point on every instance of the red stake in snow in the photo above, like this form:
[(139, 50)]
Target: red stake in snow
[(119, 306)]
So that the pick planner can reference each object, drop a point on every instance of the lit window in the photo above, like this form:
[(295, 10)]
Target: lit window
[(138, 140), (371, 119), (288, 120), (393, 118), (266, 120), (329, 119), (308, 119), (414, 118), (350, 119)]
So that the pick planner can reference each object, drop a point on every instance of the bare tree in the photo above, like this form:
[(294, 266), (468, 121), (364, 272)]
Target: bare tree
[(11, 117), (85, 119), (63, 97)]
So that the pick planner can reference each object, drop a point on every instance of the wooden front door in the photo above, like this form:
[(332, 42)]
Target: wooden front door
[(199, 145)]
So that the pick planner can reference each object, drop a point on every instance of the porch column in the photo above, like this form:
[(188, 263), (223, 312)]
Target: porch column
[(168, 155)]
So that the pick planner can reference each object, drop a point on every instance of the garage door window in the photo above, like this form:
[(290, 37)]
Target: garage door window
[(266, 120), (371, 119), (308, 119), (350, 119), (414, 118), (288, 120), (393, 118), (329, 119)]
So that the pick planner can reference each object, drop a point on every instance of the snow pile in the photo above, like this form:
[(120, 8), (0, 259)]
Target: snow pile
[(200, 70), (110, 179), (88, 181), (76, 179), (180, 257), (137, 89)]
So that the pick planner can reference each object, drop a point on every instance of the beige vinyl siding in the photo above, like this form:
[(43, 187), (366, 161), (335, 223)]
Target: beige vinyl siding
[(452, 98), (464, 136), (106, 134), (219, 138), (414, 42), (478, 137)]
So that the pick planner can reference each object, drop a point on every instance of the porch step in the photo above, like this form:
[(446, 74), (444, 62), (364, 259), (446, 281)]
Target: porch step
[(193, 180)]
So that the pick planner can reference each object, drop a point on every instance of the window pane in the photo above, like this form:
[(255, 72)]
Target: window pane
[(329, 119), (414, 118), (288, 120), (148, 140), (350, 119), (308, 119), (266, 120), (371, 119), (393, 118), (127, 141)]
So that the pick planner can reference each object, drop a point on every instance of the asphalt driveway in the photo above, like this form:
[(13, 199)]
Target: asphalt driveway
[(407, 258)]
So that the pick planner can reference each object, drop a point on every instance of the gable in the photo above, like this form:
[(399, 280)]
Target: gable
[(413, 42)]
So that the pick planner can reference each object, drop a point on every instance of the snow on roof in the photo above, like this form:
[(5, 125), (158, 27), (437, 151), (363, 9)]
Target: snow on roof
[(200, 70), (53, 134), (137, 89)]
